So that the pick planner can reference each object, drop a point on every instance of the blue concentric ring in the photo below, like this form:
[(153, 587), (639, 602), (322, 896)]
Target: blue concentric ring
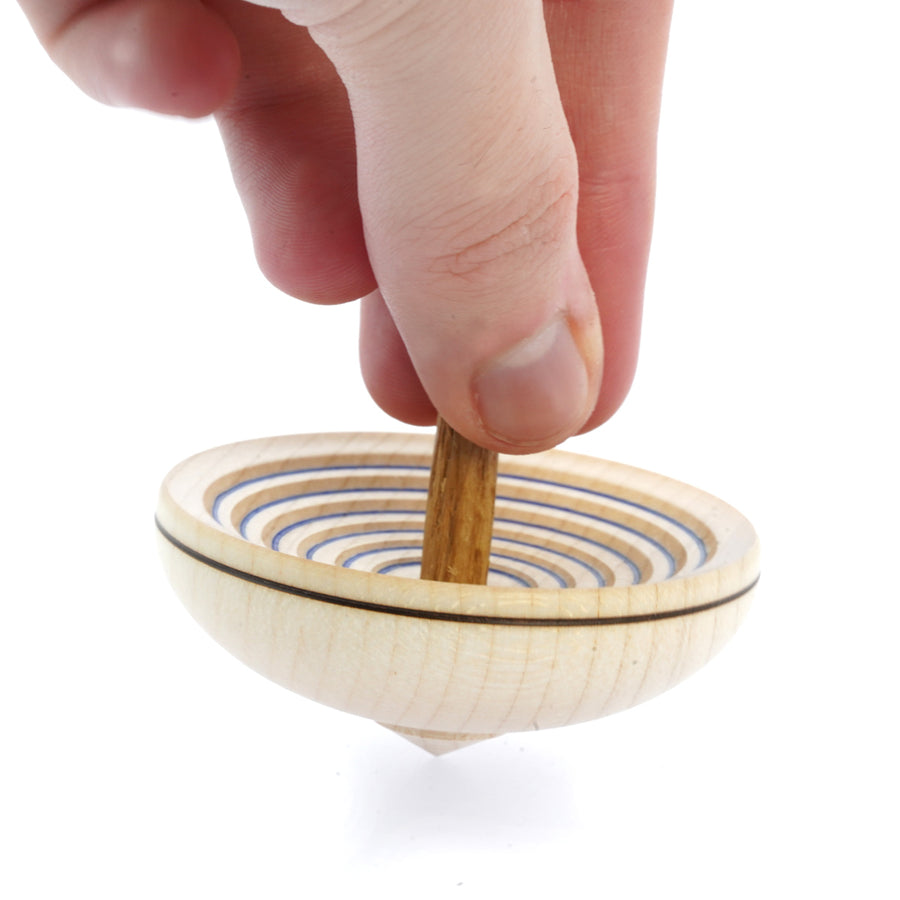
[(308, 508)]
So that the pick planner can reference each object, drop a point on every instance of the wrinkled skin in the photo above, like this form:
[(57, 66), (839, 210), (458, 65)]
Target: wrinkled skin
[(481, 174)]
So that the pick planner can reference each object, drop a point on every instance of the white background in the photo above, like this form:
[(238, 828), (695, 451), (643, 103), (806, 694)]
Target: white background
[(140, 760)]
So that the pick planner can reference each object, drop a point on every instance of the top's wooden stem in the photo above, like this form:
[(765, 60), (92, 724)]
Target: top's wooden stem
[(459, 518)]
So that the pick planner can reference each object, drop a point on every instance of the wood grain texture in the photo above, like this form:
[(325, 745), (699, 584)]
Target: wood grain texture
[(607, 585), (459, 517)]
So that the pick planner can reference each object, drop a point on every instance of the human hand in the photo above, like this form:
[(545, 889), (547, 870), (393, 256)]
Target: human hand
[(481, 173)]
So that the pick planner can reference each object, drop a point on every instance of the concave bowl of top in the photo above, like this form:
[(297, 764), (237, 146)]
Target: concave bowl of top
[(301, 554)]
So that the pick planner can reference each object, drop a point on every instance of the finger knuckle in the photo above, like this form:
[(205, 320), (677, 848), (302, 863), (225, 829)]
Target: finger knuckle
[(515, 234), (350, 21)]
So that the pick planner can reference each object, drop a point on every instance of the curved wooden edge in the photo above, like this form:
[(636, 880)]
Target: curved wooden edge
[(441, 684), (466, 618), (184, 515)]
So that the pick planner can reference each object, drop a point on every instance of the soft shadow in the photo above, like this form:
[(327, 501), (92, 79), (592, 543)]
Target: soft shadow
[(499, 794)]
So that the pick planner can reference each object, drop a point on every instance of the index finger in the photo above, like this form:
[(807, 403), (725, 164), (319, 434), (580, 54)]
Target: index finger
[(169, 56)]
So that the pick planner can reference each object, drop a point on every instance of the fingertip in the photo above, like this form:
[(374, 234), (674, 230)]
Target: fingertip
[(176, 57), (611, 399), (538, 393), (387, 370), (621, 335), (307, 231)]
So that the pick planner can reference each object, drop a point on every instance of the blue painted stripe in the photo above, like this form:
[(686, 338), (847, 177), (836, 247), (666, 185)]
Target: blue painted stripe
[(415, 548), (598, 577), (245, 522), (594, 518), (503, 477), (271, 476), (349, 537), (355, 535), (392, 568), (350, 514), (701, 544)]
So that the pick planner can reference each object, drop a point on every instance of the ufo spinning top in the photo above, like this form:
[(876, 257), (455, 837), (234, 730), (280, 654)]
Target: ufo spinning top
[(606, 585)]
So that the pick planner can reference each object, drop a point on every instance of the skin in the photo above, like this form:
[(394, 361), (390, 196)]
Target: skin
[(481, 174)]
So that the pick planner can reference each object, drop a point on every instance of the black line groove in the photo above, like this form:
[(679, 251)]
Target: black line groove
[(514, 621)]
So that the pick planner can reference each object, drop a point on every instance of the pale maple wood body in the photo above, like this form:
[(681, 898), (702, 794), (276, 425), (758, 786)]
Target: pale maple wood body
[(300, 555)]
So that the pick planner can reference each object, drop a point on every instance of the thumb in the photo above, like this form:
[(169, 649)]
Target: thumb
[(468, 186)]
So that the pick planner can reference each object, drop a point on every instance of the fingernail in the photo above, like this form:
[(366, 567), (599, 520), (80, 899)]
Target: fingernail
[(537, 392)]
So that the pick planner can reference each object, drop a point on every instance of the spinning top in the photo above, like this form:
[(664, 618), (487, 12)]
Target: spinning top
[(606, 585)]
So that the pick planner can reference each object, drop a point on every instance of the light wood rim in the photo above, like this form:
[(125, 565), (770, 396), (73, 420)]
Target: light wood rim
[(184, 519)]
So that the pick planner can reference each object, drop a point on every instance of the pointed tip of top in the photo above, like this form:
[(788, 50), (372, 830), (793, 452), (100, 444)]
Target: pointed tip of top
[(438, 743)]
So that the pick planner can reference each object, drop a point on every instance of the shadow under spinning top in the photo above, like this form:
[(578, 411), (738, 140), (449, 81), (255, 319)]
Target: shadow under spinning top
[(607, 585)]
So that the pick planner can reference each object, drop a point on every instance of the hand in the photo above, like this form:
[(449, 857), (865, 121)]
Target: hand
[(482, 173)]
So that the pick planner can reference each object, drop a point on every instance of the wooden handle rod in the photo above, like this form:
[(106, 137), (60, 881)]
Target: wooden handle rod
[(459, 517)]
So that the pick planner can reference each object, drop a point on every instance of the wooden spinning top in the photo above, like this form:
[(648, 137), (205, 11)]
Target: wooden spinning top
[(606, 585)]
